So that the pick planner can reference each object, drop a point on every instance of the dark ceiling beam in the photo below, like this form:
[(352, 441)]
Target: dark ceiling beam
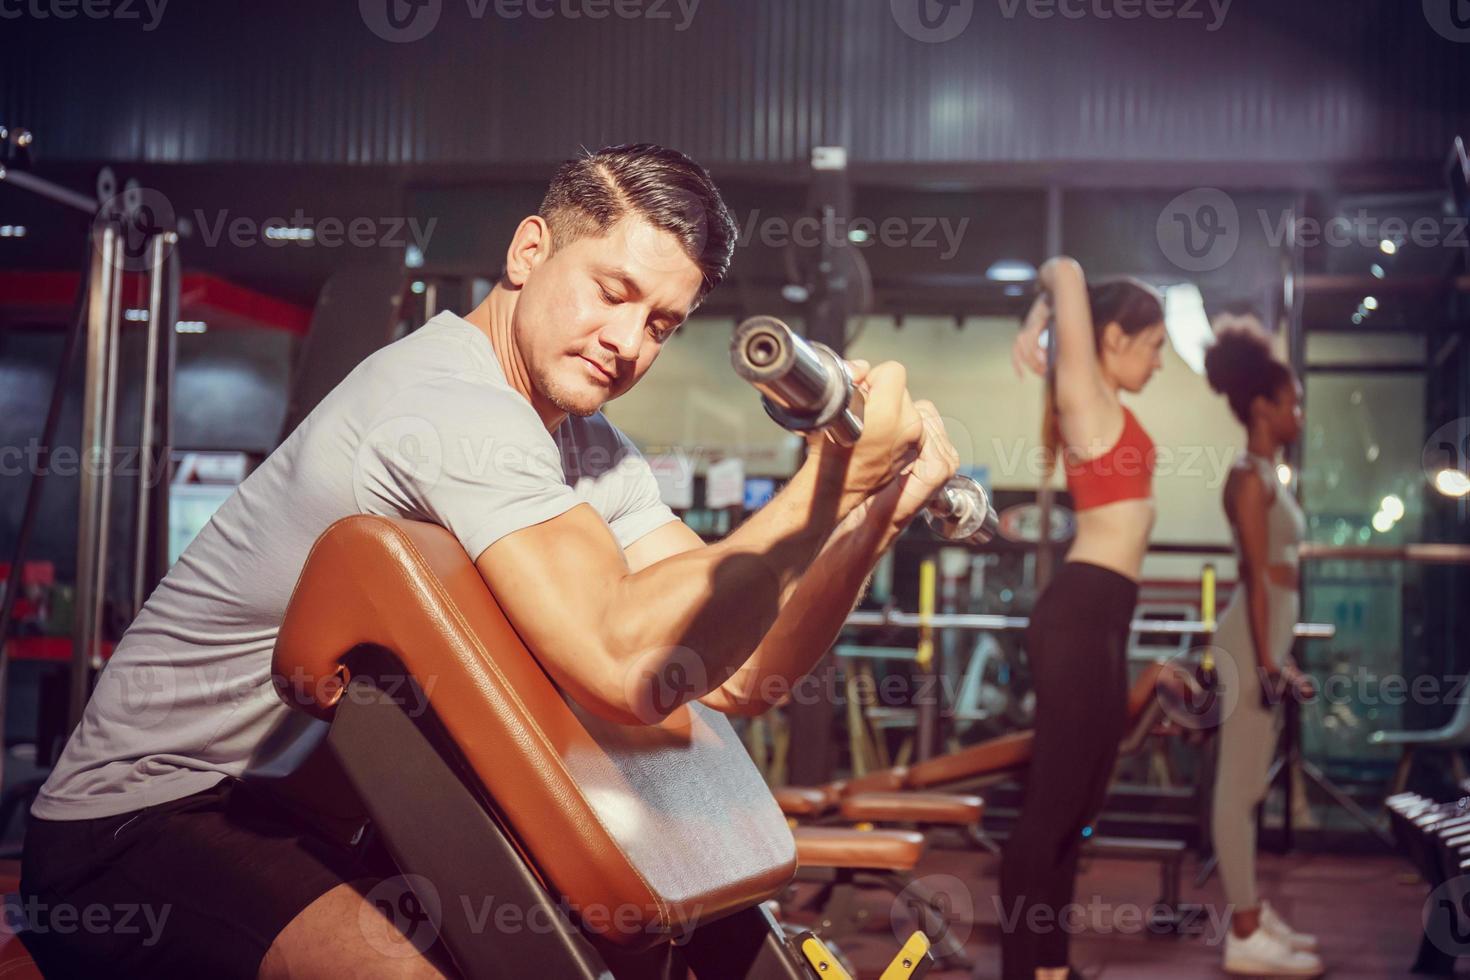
[(1028, 176)]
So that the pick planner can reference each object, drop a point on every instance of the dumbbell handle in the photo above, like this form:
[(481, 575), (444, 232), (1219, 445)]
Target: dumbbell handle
[(961, 511), (806, 386)]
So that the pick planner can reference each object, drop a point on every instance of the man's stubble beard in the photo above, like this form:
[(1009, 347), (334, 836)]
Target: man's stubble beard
[(555, 392)]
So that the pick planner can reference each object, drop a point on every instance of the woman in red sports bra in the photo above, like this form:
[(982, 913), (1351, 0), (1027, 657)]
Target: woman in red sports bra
[(1109, 338)]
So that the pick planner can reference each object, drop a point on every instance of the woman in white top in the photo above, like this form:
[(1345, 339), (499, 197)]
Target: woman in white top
[(1256, 633)]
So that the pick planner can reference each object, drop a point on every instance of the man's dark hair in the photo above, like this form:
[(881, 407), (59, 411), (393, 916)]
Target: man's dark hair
[(664, 187)]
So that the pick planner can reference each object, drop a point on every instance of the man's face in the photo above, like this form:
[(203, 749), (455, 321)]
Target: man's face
[(593, 315)]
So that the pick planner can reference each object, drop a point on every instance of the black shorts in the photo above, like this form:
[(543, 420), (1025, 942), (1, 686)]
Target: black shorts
[(195, 887)]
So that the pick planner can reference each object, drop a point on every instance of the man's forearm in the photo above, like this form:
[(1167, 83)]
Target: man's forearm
[(812, 615), (715, 604)]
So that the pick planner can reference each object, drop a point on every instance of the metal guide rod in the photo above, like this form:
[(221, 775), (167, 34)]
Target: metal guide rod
[(104, 462), (988, 622), (102, 298), (158, 272), (57, 193)]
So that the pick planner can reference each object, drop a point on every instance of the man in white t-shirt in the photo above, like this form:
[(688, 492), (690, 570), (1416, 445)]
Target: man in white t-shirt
[(490, 426)]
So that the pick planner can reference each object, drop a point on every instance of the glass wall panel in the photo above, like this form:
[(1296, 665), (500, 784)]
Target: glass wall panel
[(1362, 484)]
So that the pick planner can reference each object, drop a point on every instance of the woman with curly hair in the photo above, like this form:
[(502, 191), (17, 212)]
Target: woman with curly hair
[(1256, 634)]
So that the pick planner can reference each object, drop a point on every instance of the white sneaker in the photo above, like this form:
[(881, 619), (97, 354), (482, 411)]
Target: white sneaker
[(1277, 927), (1264, 955)]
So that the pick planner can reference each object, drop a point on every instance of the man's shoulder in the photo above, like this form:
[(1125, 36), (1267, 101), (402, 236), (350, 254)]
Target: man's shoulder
[(440, 348), (437, 376)]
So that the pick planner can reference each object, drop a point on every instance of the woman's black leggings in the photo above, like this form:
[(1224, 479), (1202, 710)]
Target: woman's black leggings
[(1077, 646)]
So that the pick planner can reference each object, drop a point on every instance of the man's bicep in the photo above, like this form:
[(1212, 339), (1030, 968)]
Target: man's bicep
[(666, 541), (555, 581)]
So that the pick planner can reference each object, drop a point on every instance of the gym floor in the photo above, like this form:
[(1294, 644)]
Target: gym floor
[(1365, 911)]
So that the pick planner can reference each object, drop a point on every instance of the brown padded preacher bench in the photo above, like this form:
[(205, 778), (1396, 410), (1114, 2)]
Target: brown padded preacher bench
[(642, 850), (624, 852)]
